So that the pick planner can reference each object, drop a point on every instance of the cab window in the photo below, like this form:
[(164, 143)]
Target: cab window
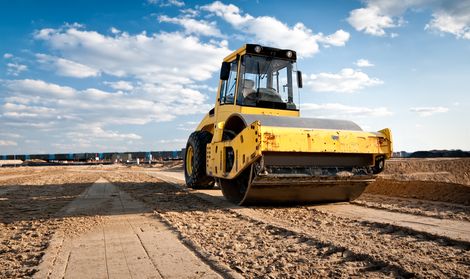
[(227, 93), (267, 82)]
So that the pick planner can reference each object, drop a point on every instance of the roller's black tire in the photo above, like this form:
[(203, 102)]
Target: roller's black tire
[(198, 179)]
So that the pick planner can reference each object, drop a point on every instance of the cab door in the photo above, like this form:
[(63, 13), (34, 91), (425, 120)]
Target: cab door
[(227, 94)]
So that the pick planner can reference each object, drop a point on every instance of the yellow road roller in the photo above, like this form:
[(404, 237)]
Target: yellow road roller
[(255, 146)]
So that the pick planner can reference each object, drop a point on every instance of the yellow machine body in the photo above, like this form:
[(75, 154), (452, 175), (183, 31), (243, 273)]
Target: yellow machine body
[(254, 140), (274, 155)]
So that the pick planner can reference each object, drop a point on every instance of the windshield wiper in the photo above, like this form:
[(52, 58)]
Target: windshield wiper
[(267, 68)]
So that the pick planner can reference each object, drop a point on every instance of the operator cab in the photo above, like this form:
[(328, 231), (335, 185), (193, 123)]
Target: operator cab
[(261, 77)]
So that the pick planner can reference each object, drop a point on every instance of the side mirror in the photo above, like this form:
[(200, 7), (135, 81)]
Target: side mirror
[(299, 79), (225, 71)]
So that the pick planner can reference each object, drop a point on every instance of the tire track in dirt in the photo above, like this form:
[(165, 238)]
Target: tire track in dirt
[(250, 247), (440, 210), (281, 241), (455, 229), (418, 254)]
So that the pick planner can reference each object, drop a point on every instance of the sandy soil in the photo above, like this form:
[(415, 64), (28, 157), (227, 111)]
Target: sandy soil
[(298, 242), (266, 242), (31, 214), (445, 180), (451, 170), (440, 210)]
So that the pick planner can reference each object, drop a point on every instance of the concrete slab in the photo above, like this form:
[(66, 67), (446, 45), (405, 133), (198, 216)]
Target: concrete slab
[(129, 243)]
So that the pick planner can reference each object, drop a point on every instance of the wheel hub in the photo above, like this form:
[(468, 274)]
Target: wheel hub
[(189, 160)]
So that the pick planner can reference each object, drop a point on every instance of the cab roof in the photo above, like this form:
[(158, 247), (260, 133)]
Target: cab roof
[(262, 51)]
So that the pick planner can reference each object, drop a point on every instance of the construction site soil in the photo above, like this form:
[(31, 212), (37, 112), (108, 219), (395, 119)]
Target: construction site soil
[(268, 242), (446, 180)]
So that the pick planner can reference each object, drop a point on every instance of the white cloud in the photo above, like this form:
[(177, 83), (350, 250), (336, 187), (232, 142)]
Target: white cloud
[(158, 58), (334, 110), (7, 55), (172, 141), (39, 89), (69, 146), (176, 3), (166, 3), (120, 85), (271, 31), (87, 113), (14, 69), (160, 77), (8, 143), (346, 81), (451, 17), (363, 63), (455, 22), (193, 26), (190, 12), (370, 20), (187, 126), (10, 135), (23, 111), (339, 38), (114, 30), (203, 87), (68, 68), (96, 132), (170, 144), (428, 111)]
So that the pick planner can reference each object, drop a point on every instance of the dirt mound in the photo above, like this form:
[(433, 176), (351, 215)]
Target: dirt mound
[(10, 162), (427, 190), (173, 165), (452, 170), (446, 180)]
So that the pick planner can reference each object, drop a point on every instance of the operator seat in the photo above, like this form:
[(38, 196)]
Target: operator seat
[(248, 87)]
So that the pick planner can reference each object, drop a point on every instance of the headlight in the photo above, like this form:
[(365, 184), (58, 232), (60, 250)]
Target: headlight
[(289, 54), (257, 49)]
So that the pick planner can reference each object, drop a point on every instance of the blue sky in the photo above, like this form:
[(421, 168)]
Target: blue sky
[(103, 76)]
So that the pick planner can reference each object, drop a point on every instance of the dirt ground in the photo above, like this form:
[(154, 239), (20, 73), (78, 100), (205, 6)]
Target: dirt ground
[(255, 242), (30, 202), (451, 170), (446, 180), (298, 242)]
